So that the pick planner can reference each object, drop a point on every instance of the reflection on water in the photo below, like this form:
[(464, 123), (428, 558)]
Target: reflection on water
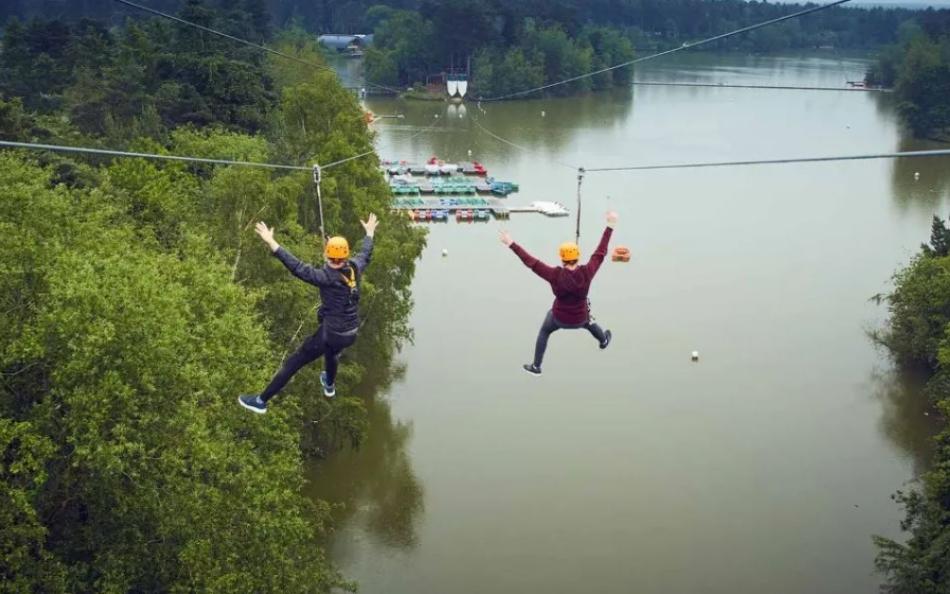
[(907, 418), (374, 485), (547, 126), (763, 468), (930, 188)]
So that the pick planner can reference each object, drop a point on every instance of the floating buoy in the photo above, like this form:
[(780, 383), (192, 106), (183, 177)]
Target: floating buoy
[(916, 175), (445, 252), (620, 254), (694, 356), (469, 152), (542, 113)]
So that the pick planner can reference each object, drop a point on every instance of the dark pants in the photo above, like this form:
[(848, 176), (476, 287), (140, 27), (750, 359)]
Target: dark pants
[(324, 343), (550, 325)]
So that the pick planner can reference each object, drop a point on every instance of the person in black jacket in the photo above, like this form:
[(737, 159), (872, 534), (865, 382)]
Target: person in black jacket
[(339, 283)]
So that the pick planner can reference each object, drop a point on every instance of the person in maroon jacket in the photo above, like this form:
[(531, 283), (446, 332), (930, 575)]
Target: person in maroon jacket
[(570, 284)]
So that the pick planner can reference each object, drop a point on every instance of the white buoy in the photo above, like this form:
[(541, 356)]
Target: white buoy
[(445, 252), (916, 175), (694, 356), (469, 152), (542, 113)]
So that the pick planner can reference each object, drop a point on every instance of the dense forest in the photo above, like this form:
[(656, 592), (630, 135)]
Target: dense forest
[(519, 46), (918, 335), (918, 68), (136, 301), (136, 304), (480, 23), (515, 45)]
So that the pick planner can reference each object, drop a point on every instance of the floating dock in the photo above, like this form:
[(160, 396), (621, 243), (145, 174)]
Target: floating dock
[(436, 191), (434, 167), (435, 209), (473, 208)]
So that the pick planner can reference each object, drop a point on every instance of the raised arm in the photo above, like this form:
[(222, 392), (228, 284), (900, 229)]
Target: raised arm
[(305, 272), (537, 266), (366, 250), (597, 258)]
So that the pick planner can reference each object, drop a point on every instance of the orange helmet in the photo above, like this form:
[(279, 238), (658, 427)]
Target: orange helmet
[(337, 248), (569, 252)]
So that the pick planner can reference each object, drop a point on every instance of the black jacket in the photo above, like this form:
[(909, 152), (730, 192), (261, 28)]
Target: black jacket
[(338, 307)]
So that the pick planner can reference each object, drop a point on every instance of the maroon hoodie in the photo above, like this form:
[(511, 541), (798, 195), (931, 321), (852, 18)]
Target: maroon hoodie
[(570, 287)]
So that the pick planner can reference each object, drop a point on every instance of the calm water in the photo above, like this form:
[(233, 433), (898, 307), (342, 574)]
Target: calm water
[(766, 466)]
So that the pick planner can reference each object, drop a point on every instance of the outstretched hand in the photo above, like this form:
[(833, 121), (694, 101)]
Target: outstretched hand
[(267, 234), (506, 238), (370, 224), (612, 218)]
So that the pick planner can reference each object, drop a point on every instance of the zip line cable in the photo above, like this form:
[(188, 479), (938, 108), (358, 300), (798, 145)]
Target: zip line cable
[(685, 46), (180, 158), (517, 146), (650, 57), (647, 83), (671, 51), (263, 48), (113, 153), (897, 155), (361, 155)]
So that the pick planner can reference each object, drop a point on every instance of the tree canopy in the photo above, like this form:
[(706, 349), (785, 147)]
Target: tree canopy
[(918, 67), (137, 303), (918, 333)]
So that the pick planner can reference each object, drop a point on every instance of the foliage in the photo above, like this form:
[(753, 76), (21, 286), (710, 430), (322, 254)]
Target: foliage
[(918, 331), (570, 38), (138, 80), (137, 303), (120, 365), (918, 68), (466, 26)]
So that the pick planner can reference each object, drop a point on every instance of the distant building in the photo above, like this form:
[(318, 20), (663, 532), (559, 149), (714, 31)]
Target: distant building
[(348, 45)]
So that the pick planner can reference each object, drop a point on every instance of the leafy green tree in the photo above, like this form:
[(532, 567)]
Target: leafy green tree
[(405, 41), (381, 67), (939, 239), (918, 332), (137, 303), (920, 310), (127, 363), (923, 85), (25, 563)]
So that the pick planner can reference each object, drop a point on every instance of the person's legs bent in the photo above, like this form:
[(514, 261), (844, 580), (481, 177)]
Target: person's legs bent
[(598, 332), (311, 350), (541, 344)]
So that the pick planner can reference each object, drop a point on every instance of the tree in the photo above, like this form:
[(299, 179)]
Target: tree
[(918, 332), (939, 239)]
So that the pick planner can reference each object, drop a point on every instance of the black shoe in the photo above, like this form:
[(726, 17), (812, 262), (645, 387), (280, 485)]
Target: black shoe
[(532, 369), (607, 336), (253, 403)]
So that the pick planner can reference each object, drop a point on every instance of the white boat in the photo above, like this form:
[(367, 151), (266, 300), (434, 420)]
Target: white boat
[(452, 86), (448, 168), (432, 169), (462, 87), (551, 209)]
